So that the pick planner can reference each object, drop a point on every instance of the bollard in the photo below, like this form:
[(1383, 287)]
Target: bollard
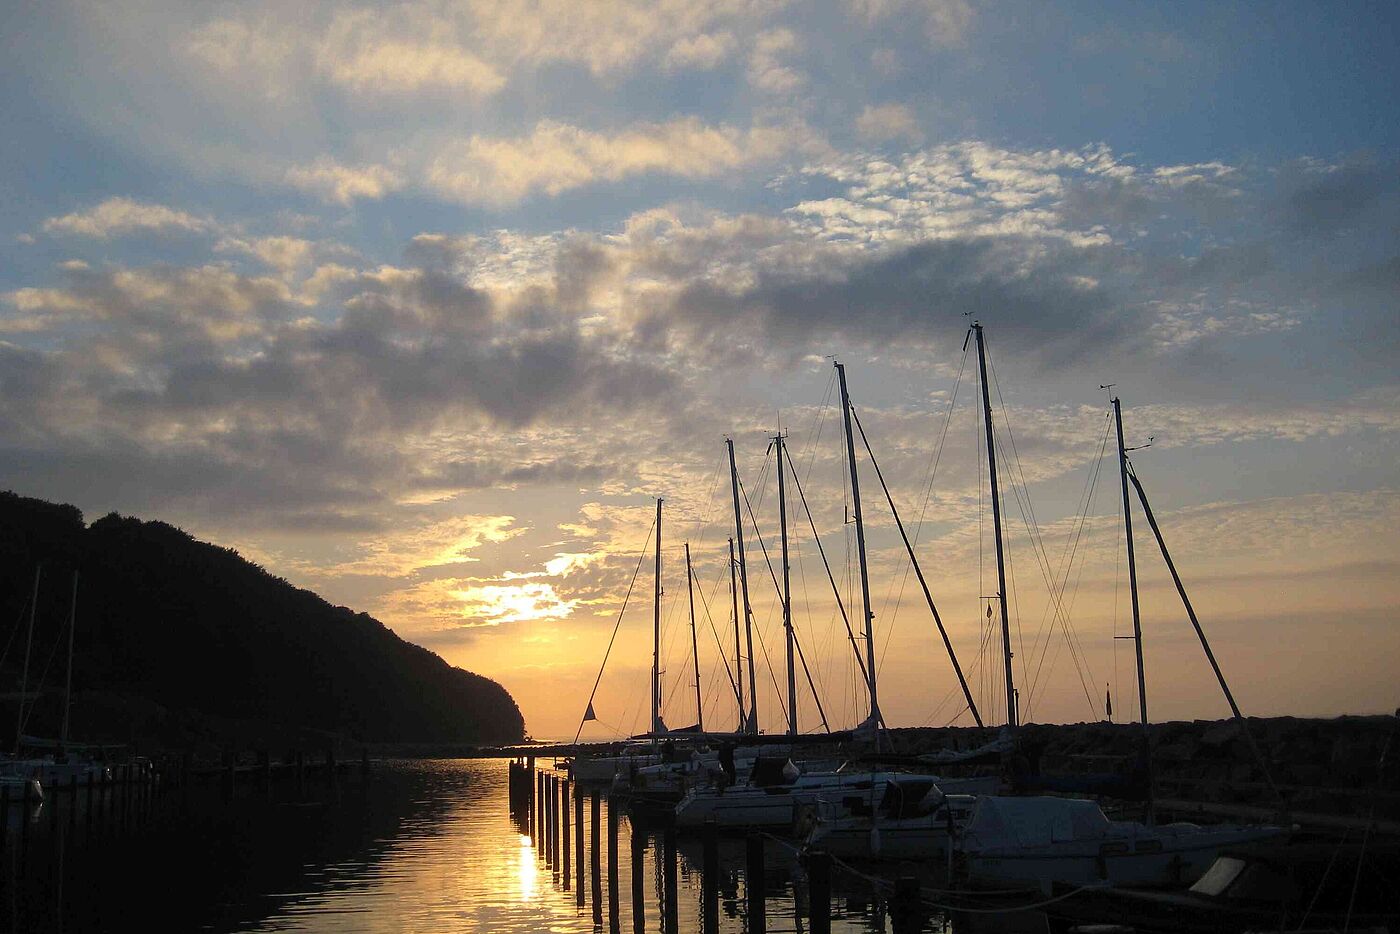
[(709, 877), (73, 792), (5, 811), (639, 910), (595, 858), (753, 884), (670, 918), (89, 795), (364, 761), (906, 909), (565, 826), (614, 909), (819, 892)]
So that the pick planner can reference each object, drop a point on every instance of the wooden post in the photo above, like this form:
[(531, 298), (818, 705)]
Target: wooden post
[(753, 884), (906, 909), (639, 903), (709, 877), (819, 892), (613, 907), (670, 917), (578, 840), (565, 825), (594, 855)]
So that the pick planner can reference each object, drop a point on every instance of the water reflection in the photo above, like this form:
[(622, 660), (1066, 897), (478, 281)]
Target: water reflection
[(413, 846)]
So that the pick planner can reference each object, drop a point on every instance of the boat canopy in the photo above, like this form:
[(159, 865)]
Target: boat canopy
[(1036, 821)]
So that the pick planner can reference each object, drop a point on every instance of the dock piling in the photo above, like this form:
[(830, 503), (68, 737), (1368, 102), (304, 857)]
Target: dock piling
[(595, 858), (566, 826), (709, 877), (753, 884), (819, 892)]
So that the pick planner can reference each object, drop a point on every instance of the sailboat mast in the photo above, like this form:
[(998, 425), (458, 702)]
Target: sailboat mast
[(1133, 590), (28, 645), (1012, 714), (860, 549), (68, 688), (694, 647), (738, 654), (656, 632), (787, 590), (744, 587)]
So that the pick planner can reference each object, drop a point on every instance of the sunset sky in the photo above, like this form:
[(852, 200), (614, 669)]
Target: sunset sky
[(421, 306)]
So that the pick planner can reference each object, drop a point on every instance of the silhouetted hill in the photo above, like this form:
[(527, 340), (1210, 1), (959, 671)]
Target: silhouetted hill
[(193, 627)]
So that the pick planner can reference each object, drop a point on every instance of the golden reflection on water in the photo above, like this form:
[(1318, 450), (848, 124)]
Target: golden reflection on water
[(527, 872)]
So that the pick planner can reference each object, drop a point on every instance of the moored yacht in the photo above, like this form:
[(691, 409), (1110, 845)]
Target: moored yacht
[(1037, 842)]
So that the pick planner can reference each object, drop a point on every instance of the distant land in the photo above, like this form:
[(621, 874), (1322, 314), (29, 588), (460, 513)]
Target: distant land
[(183, 644)]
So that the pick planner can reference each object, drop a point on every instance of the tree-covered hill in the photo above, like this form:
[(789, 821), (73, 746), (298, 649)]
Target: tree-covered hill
[(190, 626)]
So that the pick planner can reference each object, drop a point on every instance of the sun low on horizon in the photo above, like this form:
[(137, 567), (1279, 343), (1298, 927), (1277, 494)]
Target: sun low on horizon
[(424, 306)]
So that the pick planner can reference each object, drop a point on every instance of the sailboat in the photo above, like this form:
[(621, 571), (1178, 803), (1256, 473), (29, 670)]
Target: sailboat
[(63, 765), (780, 792), (1039, 841)]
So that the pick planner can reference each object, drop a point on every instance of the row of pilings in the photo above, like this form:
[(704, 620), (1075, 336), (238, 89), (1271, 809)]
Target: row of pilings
[(552, 810)]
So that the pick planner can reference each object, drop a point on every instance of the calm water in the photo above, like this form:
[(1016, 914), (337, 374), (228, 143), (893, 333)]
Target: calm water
[(414, 846)]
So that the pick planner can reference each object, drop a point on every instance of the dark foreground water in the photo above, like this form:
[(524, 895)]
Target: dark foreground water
[(413, 846)]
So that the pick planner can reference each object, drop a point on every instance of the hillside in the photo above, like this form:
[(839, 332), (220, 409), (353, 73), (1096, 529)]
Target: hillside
[(195, 633)]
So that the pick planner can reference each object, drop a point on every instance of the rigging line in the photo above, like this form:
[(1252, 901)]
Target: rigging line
[(1033, 525), (936, 457), (1042, 563), (1027, 511), (723, 657), (43, 676), (19, 624), (822, 645), (1074, 595), (768, 662), (815, 444), (816, 698), (947, 643), (1071, 549), (1080, 514), (835, 589), (640, 559), (753, 521)]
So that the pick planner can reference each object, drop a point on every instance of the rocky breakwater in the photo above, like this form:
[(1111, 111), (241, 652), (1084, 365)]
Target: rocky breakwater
[(1325, 767)]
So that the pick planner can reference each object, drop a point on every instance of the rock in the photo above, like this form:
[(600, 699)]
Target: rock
[(1220, 734)]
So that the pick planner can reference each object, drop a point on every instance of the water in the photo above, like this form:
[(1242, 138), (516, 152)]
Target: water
[(415, 846)]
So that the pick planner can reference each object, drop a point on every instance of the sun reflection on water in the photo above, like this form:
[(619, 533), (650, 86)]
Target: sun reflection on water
[(527, 871)]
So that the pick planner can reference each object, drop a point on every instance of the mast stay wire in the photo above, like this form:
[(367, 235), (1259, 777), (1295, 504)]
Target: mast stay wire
[(937, 618), (1067, 559), (591, 694), (935, 458), (1028, 517), (753, 521)]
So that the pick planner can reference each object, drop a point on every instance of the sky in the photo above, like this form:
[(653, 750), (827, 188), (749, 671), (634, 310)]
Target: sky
[(422, 305)]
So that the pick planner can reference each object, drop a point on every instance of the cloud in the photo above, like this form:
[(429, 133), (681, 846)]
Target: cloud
[(369, 52), (946, 22), (558, 157), (699, 53), (332, 181), (884, 122), (767, 70), (118, 216)]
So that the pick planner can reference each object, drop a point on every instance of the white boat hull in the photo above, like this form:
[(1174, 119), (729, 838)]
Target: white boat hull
[(1151, 860)]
